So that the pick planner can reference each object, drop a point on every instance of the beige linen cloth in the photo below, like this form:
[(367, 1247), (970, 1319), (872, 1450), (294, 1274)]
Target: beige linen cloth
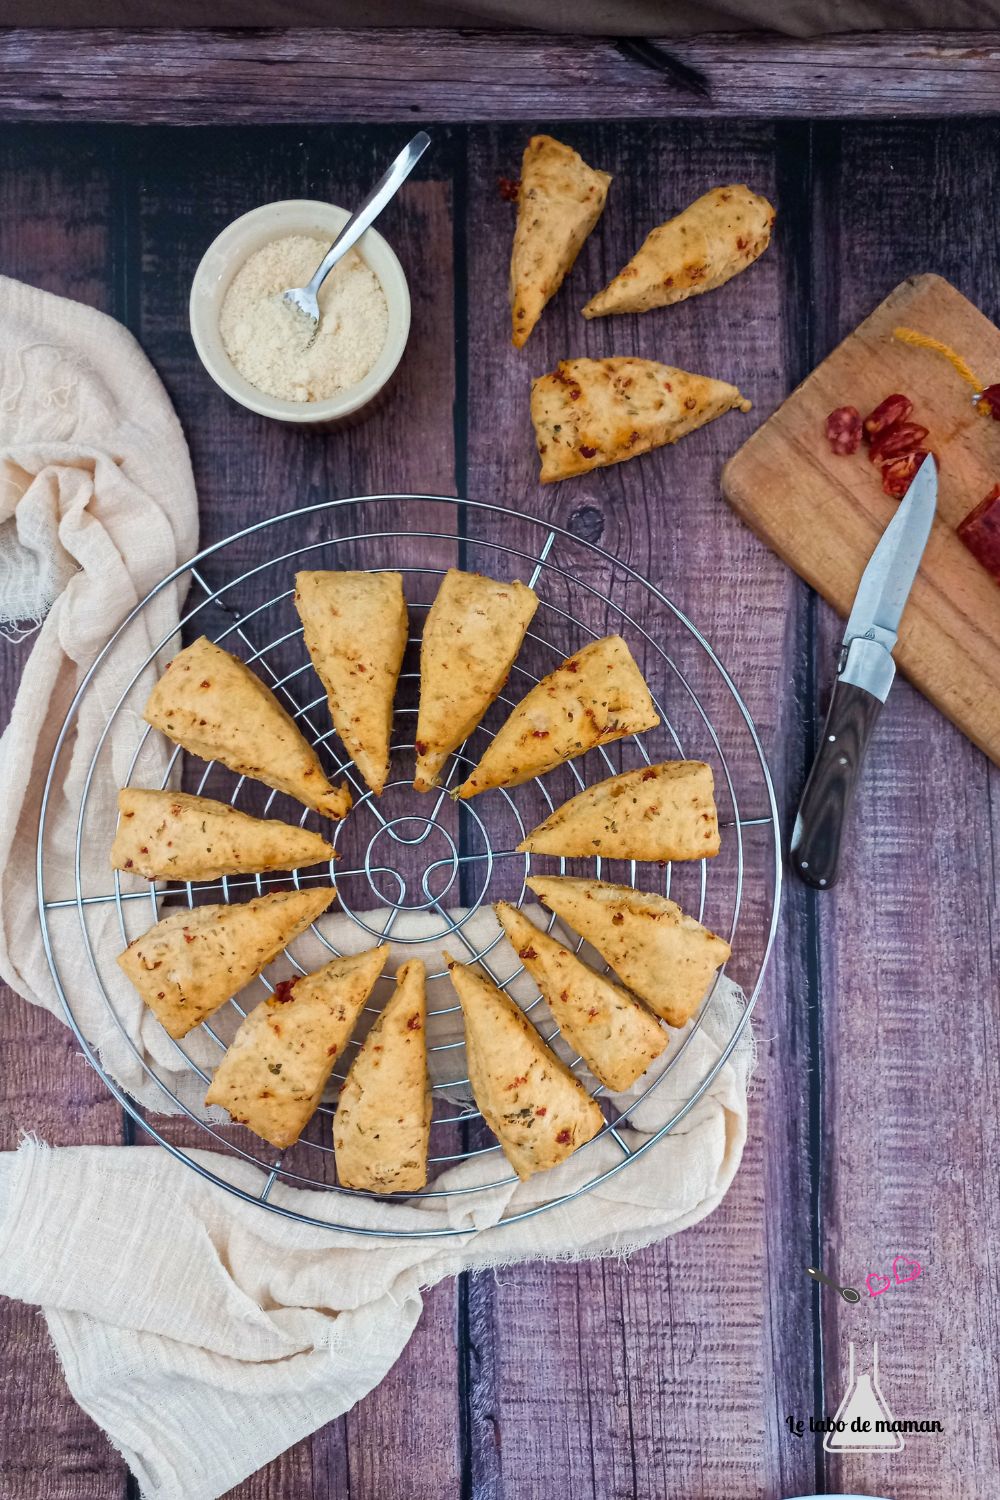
[(202, 1332)]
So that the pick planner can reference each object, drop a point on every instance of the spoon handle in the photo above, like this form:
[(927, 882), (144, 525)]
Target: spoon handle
[(370, 208), (848, 1293)]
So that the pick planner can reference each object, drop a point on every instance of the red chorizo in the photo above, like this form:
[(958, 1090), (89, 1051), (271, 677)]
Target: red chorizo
[(980, 531), (843, 429)]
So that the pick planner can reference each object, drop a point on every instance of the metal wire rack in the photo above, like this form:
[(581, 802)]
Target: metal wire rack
[(409, 857)]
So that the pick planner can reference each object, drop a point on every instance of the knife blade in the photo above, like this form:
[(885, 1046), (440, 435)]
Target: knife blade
[(864, 676)]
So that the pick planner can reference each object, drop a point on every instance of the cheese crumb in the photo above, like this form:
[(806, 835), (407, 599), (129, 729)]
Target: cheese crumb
[(268, 341)]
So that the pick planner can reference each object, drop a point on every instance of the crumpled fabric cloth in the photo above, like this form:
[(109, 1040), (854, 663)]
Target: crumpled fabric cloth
[(204, 1333), (97, 504)]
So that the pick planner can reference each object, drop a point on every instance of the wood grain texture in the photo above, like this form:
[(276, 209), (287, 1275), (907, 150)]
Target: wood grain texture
[(197, 77), (824, 513), (164, 201), (54, 208), (873, 1112), (249, 468), (604, 1378), (907, 953)]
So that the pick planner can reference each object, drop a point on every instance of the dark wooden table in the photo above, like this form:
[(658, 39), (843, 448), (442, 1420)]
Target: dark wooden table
[(873, 1126)]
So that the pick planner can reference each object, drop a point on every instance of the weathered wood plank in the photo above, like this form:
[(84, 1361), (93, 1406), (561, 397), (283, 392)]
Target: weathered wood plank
[(194, 77), (54, 209), (399, 1441), (653, 1379), (601, 1381), (248, 468), (909, 971)]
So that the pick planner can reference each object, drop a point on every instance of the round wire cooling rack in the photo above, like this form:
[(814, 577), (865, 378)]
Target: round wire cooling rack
[(411, 867)]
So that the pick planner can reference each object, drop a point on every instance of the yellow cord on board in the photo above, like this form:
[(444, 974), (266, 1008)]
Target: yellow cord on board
[(924, 341)]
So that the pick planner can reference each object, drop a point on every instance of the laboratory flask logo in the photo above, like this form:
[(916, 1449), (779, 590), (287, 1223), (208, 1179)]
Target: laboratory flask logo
[(864, 1423)]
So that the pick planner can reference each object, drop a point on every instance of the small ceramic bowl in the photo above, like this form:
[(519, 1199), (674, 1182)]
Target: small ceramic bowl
[(231, 249)]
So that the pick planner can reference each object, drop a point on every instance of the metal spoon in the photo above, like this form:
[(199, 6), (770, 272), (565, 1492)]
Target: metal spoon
[(304, 298), (849, 1293)]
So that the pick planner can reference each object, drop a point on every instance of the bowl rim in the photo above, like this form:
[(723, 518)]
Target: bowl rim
[(220, 262)]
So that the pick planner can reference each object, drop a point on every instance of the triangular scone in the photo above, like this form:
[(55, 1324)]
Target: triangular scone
[(661, 812), (174, 836), (589, 413), (211, 703), (382, 1126), (473, 632), (667, 958), (596, 696), (530, 1100), (719, 235), (277, 1066), (195, 960), (559, 202), (355, 627), (616, 1036)]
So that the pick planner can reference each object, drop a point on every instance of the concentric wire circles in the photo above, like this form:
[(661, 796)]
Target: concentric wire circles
[(470, 858)]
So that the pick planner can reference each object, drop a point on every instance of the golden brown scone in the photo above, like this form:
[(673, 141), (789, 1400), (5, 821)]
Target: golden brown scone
[(660, 812), (719, 235), (534, 1106), (195, 960), (667, 958), (589, 413), (174, 836), (382, 1126), (355, 627), (559, 202), (614, 1035), (472, 634), (213, 705), (273, 1075), (595, 696)]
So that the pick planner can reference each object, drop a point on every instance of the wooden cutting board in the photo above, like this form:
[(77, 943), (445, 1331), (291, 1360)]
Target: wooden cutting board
[(823, 514)]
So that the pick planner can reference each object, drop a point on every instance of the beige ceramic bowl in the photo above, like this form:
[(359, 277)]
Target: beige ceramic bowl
[(223, 259)]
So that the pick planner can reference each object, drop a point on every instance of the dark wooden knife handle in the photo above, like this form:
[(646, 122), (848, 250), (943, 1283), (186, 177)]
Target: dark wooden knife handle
[(829, 791)]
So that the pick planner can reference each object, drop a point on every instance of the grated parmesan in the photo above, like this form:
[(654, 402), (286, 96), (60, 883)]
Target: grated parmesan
[(268, 341)]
